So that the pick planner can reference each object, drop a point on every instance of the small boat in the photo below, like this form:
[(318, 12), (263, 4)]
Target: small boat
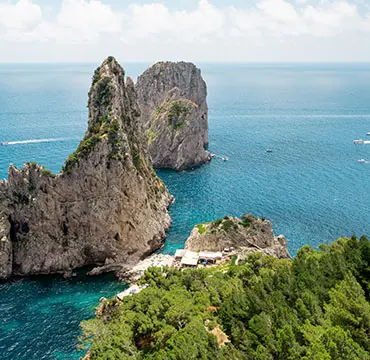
[(269, 150), (4, 143), (368, 134), (213, 156), (225, 158), (362, 161), (358, 141)]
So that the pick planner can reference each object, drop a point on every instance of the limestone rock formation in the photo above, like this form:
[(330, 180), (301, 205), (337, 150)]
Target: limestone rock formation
[(174, 112), (106, 207), (247, 234)]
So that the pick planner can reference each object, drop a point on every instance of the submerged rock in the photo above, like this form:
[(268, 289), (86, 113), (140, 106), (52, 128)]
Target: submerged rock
[(173, 103), (106, 207), (247, 235)]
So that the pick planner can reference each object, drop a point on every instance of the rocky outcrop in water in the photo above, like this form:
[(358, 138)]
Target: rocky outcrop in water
[(247, 234), (173, 103), (106, 207)]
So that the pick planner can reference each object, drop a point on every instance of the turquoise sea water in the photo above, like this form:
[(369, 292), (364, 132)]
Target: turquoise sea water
[(311, 186)]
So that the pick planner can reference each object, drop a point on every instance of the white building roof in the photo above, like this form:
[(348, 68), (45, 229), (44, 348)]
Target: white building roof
[(180, 253), (191, 254), (189, 261), (210, 255)]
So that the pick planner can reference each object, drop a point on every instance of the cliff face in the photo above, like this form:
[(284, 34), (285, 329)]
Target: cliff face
[(247, 234), (106, 207), (173, 103)]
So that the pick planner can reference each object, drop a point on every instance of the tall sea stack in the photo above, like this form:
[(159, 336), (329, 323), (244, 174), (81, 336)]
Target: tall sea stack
[(106, 207), (173, 103)]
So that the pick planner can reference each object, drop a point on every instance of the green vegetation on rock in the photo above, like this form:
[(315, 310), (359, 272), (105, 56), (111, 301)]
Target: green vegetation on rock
[(151, 135), (202, 228), (32, 164), (105, 125), (314, 307), (247, 220), (158, 109), (115, 141), (84, 148), (218, 222), (44, 171), (176, 112), (103, 92), (48, 172), (227, 224), (136, 159)]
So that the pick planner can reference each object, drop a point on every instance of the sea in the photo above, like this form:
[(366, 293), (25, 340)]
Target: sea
[(311, 186)]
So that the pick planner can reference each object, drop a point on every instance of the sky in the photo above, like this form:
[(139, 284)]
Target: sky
[(190, 30)]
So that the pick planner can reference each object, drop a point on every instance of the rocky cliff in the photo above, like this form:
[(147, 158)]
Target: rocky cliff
[(173, 103), (106, 207), (247, 234)]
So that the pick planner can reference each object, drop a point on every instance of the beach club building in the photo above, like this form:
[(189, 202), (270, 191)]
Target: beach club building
[(189, 258), (209, 257)]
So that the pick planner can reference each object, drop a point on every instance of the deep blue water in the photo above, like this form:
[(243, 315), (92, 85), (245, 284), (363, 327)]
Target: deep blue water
[(311, 186)]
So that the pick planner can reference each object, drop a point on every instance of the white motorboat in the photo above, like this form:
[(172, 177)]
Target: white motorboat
[(362, 161), (358, 141)]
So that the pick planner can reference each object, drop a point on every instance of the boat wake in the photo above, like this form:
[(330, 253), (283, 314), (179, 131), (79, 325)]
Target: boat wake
[(35, 141)]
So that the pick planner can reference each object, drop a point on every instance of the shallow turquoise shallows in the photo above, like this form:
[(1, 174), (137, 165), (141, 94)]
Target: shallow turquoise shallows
[(311, 186)]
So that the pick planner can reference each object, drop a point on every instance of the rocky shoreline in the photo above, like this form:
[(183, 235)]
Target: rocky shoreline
[(229, 236), (248, 233)]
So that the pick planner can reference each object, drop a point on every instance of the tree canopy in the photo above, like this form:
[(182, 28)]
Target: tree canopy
[(313, 307)]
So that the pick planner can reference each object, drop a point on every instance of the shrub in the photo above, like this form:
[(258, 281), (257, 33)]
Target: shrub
[(202, 229), (84, 148), (177, 113), (151, 135), (218, 222), (47, 172), (227, 225)]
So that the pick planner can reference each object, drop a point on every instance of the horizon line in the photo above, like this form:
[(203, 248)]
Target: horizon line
[(195, 61)]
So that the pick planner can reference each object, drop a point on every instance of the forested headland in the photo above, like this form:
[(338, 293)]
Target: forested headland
[(316, 306)]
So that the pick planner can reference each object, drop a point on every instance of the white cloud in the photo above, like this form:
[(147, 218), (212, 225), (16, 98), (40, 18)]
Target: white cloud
[(86, 20), (78, 21), (270, 29), (23, 16), (155, 19)]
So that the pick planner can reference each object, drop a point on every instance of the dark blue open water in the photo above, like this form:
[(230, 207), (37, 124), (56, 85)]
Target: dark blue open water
[(311, 186)]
